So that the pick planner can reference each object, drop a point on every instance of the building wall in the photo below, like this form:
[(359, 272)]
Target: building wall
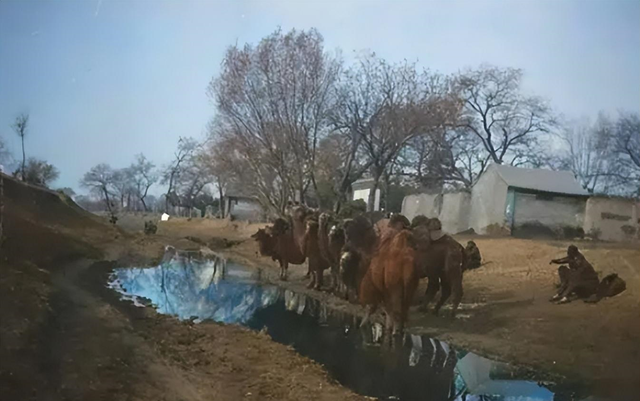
[(243, 209), (612, 219), (551, 211), (421, 204), (364, 195), (488, 201), (455, 212)]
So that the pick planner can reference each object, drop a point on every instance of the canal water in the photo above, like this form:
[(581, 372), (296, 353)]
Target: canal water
[(190, 286)]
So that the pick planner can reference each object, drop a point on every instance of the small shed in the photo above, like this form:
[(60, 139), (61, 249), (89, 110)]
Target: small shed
[(514, 200), (240, 205), (361, 190)]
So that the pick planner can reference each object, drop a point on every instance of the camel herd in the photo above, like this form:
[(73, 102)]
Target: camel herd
[(381, 263), (378, 263)]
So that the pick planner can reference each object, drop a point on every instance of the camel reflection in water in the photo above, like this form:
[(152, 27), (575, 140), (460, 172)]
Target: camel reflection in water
[(194, 286)]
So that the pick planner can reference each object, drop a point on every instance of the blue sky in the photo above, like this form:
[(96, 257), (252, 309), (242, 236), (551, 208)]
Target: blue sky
[(104, 80)]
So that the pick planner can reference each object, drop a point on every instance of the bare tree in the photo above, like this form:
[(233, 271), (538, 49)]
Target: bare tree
[(587, 154), (444, 158), (220, 158), (623, 141), (5, 155), (20, 126), (192, 179), (386, 106), (273, 99), (99, 180), (186, 147), (144, 177), (507, 122)]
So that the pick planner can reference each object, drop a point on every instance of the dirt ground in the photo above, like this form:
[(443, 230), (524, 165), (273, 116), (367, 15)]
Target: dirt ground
[(505, 312), (65, 336)]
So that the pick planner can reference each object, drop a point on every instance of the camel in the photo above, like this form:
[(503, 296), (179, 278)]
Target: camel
[(441, 259), (278, 242), (391, 279)]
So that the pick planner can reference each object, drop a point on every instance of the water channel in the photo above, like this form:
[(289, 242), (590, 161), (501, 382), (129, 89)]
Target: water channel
[(190, 286)]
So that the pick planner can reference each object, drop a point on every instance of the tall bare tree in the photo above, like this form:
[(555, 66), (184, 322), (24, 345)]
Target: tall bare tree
[(273, 99), (220, 158), (144, 177), (20, 126), (587, 154), (508, 123), (623, 141), (387, 105), (186, 148), (99, 180)]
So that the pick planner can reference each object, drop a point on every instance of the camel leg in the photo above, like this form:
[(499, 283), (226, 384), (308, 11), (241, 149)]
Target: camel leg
[(393, 305), (370, 310), (283, 270), (456, 288), (444, 295), (432, 289), (319, 279), (312, 283)]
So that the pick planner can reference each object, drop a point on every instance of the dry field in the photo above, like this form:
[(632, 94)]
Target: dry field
[(505, 311)]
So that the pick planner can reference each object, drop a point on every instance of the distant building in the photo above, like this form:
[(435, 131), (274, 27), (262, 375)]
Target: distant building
[(239, 205), (518, 198), (521, 201), (361, 190)]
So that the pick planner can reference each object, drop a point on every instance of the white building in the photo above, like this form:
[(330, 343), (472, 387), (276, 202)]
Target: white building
[(361, 190), (513, 198), (507, 200)]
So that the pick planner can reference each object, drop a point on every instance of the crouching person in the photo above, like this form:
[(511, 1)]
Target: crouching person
[(578, 280)]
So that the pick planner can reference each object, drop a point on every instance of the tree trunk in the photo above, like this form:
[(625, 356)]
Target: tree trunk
[(106, 199), (24, 158), (220, 204)]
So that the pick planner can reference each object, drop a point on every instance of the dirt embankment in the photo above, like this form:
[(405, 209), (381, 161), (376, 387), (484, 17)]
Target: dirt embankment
[(505, 312), (65, 336)]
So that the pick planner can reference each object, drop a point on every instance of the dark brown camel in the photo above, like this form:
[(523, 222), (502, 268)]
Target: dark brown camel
[(277, 242), (440, 259)]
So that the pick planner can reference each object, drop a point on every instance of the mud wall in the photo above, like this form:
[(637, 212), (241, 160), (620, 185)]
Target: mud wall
[(455, 212), (612, 219), (550, 211), (421, 204), (488, 202)]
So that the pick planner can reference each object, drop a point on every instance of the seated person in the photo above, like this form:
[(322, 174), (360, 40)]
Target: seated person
[(577, 280), (474, 260)]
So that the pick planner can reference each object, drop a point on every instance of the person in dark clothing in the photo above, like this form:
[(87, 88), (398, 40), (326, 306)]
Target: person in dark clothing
[(578, 280), (474, 260)]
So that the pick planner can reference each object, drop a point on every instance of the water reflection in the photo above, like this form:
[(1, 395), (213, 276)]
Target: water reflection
[(418, 367)]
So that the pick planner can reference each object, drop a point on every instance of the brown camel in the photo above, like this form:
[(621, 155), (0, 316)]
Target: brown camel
[(277, 242), (331, 240), (311, 248), (361, 242), (304, 219), (440, 258), (391, 279)]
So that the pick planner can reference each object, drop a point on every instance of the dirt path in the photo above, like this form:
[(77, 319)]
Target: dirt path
[(95, 347)]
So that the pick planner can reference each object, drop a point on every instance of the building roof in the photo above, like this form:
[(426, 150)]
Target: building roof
[(362, 183), (560, 182), (238, 191)]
